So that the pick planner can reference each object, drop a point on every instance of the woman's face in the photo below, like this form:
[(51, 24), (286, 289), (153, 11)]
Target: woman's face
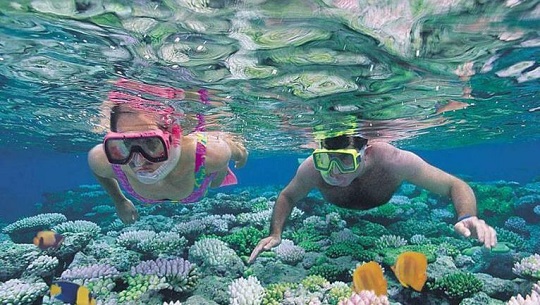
[(133, 122)]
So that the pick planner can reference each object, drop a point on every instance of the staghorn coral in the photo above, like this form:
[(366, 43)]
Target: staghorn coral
[(90, 272), (190, 229), (99, 278), (246, 291), (365, 298), (339, 291), (517, 224), (315, 283)]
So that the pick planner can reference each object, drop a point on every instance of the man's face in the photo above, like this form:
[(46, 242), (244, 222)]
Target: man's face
[(338, 167)]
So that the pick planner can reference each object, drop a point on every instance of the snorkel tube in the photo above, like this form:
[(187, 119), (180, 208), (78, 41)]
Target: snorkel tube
[(164, 169)]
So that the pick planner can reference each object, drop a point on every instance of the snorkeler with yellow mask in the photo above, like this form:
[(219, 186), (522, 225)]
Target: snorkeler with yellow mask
[(355, 173)]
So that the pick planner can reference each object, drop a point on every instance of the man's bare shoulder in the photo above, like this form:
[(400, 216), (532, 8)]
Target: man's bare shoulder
[(382, 152)]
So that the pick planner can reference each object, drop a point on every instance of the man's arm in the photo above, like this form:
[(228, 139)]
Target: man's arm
[(297, 189), (421, 173), (412, 168)]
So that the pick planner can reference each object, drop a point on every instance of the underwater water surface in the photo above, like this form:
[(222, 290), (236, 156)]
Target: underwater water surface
[(456, 82)]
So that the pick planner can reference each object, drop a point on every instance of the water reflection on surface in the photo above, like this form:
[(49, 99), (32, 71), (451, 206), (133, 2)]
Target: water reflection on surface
[(429, 73)]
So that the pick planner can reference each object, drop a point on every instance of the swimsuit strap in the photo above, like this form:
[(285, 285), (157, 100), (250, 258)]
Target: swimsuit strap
[(124, 183), (202, 181)]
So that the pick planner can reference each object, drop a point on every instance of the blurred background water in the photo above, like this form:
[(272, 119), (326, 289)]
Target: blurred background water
[(455, 81)]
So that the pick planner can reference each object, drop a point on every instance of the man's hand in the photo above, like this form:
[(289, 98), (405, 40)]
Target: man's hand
[(264, 244), (127, 211), (477, 228)]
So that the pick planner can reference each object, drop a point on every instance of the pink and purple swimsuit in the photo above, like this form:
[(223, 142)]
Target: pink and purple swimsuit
[(202, 181)]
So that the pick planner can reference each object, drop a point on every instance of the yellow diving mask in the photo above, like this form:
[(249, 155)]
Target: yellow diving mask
[(346, 160)]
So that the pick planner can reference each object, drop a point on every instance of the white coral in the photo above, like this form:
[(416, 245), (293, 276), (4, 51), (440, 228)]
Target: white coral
[(246, 291)]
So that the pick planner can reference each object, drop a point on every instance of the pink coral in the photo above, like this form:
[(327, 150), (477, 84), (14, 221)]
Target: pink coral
[(531, 299), (365, 298)]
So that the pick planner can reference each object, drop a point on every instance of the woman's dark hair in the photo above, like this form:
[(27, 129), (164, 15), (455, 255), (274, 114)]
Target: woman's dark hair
[(343, 141)]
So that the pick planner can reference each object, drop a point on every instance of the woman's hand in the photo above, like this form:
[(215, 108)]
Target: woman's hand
[(126, 211)]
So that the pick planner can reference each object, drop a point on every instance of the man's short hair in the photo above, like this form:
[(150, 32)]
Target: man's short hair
[(344, 141)]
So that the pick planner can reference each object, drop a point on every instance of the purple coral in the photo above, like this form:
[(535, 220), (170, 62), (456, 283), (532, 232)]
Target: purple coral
[(90, 272)]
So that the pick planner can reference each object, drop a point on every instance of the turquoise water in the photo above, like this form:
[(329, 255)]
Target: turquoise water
[(454, 81)]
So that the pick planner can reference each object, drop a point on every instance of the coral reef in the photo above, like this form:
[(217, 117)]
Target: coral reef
[(197, 254)]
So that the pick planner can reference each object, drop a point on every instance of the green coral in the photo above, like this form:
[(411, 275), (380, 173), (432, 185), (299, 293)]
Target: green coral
[(140, 285), (368, 241), (342, 249), (411, 227), (244, 240), (511, 238), (310, 246), (366, 256), (494, 202), (314, 283), (390, 254), (331, 272), (274, 293), (457, 285), (304, 234), (367, 228), (339, 292)]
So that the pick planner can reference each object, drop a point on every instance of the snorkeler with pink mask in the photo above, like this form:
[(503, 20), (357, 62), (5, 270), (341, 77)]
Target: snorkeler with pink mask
[(146, 154)]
